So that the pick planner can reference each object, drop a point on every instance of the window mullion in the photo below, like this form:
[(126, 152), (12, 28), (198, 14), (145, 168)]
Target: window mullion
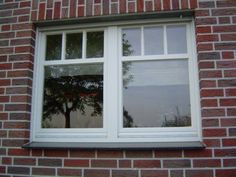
[(111, 78), (63, 50)]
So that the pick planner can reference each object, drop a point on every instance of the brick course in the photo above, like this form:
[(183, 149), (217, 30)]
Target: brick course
[(215, 22)]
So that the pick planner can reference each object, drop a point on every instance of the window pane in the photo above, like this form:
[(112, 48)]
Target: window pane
[(53, 47), (156, 94), (131, 39), (95, 44), (74, 45), (153, 41), (176, 39), (73, 96)]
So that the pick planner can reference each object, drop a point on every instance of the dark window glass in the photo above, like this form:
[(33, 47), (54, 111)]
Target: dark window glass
[(95, 43), (74, 45), (73, 96), (53, 47)]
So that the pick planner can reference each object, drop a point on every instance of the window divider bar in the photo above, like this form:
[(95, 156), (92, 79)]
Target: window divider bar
[(63, 50)]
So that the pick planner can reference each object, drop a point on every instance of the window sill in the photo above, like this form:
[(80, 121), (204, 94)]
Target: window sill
[(115, 145)]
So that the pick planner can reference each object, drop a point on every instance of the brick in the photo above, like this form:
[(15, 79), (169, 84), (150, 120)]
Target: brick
[(4, 99), (209, 103), (147, 164), (21, 11), (22, 26), (225, 46), (50, 162), (213, 112), (232, 131), (230, 73), (25, 4), (225, 28), (43, 171), (104, 163), (229, 142), (72, 8), (154, 173), (109, 154), (20, 57), (204, 12), (37, 152), (210, 74), (184, 4), (57, 10), (19, 116), (19, 134), (24, 41), (198, 153), (228, 3), (25, 98), (166, 4), (138, 154), (183, 163), (56, 153), (228, 102), (20, 81), (175, 4), (68, 172), (149, 6), (122, 6), (9, 6), (124, 173), (206, 21), (18, 90), (41, 14), (18, 152), (222, 12), (76, 163), (204, 47), (16, 125), (22, 73), (140, 5), (197, 173), (17, 107), (225, 152), (226, 64), (176, 173), (18, 170), (212, 93), (8, 20), (209, 56), (124, 163), (131, 7), (204, 163), (3, 133), (96, 173), (227, 82), (229, 162), (224, 20), (228, 122), (231, 111), (82, 153), (7, 50), (168, 154), (228, 37), (25, 161), (207, 38), (207, 83), (14, 142), (225, 172), (216, 132), (89, 7), (6, 161), (210, 123), (49, 14)]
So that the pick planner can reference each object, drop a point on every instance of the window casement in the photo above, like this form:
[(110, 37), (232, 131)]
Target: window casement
[(132, 82)]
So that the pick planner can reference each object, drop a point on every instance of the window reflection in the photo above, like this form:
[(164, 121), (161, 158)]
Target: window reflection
[(156, 94), (74, 46), (95, 44), (53, 47), (73, 96)]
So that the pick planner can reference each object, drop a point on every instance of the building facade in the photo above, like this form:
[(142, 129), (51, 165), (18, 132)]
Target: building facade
[(35, 40)]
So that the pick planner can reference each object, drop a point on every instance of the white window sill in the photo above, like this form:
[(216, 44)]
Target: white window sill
[(115, 145)]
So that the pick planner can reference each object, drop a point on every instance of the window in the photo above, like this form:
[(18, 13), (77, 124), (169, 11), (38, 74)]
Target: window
[(119, 83)]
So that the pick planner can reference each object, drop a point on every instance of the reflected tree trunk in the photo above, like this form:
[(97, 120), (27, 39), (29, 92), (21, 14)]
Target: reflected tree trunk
[(67, 119)]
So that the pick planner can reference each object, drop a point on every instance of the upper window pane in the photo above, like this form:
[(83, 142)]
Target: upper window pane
[(156, 94), (73, 96), (131, 39), (153, 41), (176, 39), (74, 45), (53, 47), (95, 44)]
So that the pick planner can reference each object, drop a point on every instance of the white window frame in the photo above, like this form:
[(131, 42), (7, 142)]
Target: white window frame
[(112, 130)]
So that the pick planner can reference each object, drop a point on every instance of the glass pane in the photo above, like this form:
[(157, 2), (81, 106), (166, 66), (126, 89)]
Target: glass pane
[(176, 39), (156, 94), (131, 39), (73, 96), (53, 47), (95, 43), (153, 41), (74, 45)]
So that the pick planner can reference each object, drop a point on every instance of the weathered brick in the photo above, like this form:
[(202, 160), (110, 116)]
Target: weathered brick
[(18, 170), (225, 172), (43, 171), (147, 164), (96, 173), (177, 163), (76, 163), (124, 173), (197, 173), (104, 163), (25, 161), (50, 162), (68, 172)]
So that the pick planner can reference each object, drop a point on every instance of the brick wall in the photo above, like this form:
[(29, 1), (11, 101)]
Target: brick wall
[(216, 45)]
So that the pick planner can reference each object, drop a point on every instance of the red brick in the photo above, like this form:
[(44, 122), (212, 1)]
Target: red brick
[(227, 55), (131, 7), (207, 38), (204, 12), (147, 164), (18, 152), (41, 15), (210, 123), (198, 153), (124, 163), (229, 141), (22, 73), (204, 163), (37, 152), (17, 107), (50, 162), (230, 73), (209, 103), (16, 125), (216, 132), (225, 152), (4, 99), (72, 8), (209, 56), (104, 163), (166, 5), (122, 6), (168, 154), (25, 4), (149, 6), (82, 153), (154, 173), (57, 10), (56, 153), (228, 3), (109, 154), (18, 90), (210, 74), (226, 64), (68, 172), (224, 20), (212, 92), (213, 112), (207, 83), (96, 173), (18, 170), (43, 171), (204, 47), (140, 5), (81, 12), (138, 154), (225, 28), (206, 64), (76, 163), (226, 172), (184, 4), (206, 21), (7, 50), (21, 11), (199, 173), (227, 82), (231, 111), (21, 99), (228, 122), (229, 162), (49, 14), (228, 102), (225, 46), (25, 161), (19, 134), (6, 160), (19, 116)]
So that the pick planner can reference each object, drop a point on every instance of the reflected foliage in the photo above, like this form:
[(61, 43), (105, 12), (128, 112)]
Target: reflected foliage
[(74, 45), (64, 93), (95, 43)]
